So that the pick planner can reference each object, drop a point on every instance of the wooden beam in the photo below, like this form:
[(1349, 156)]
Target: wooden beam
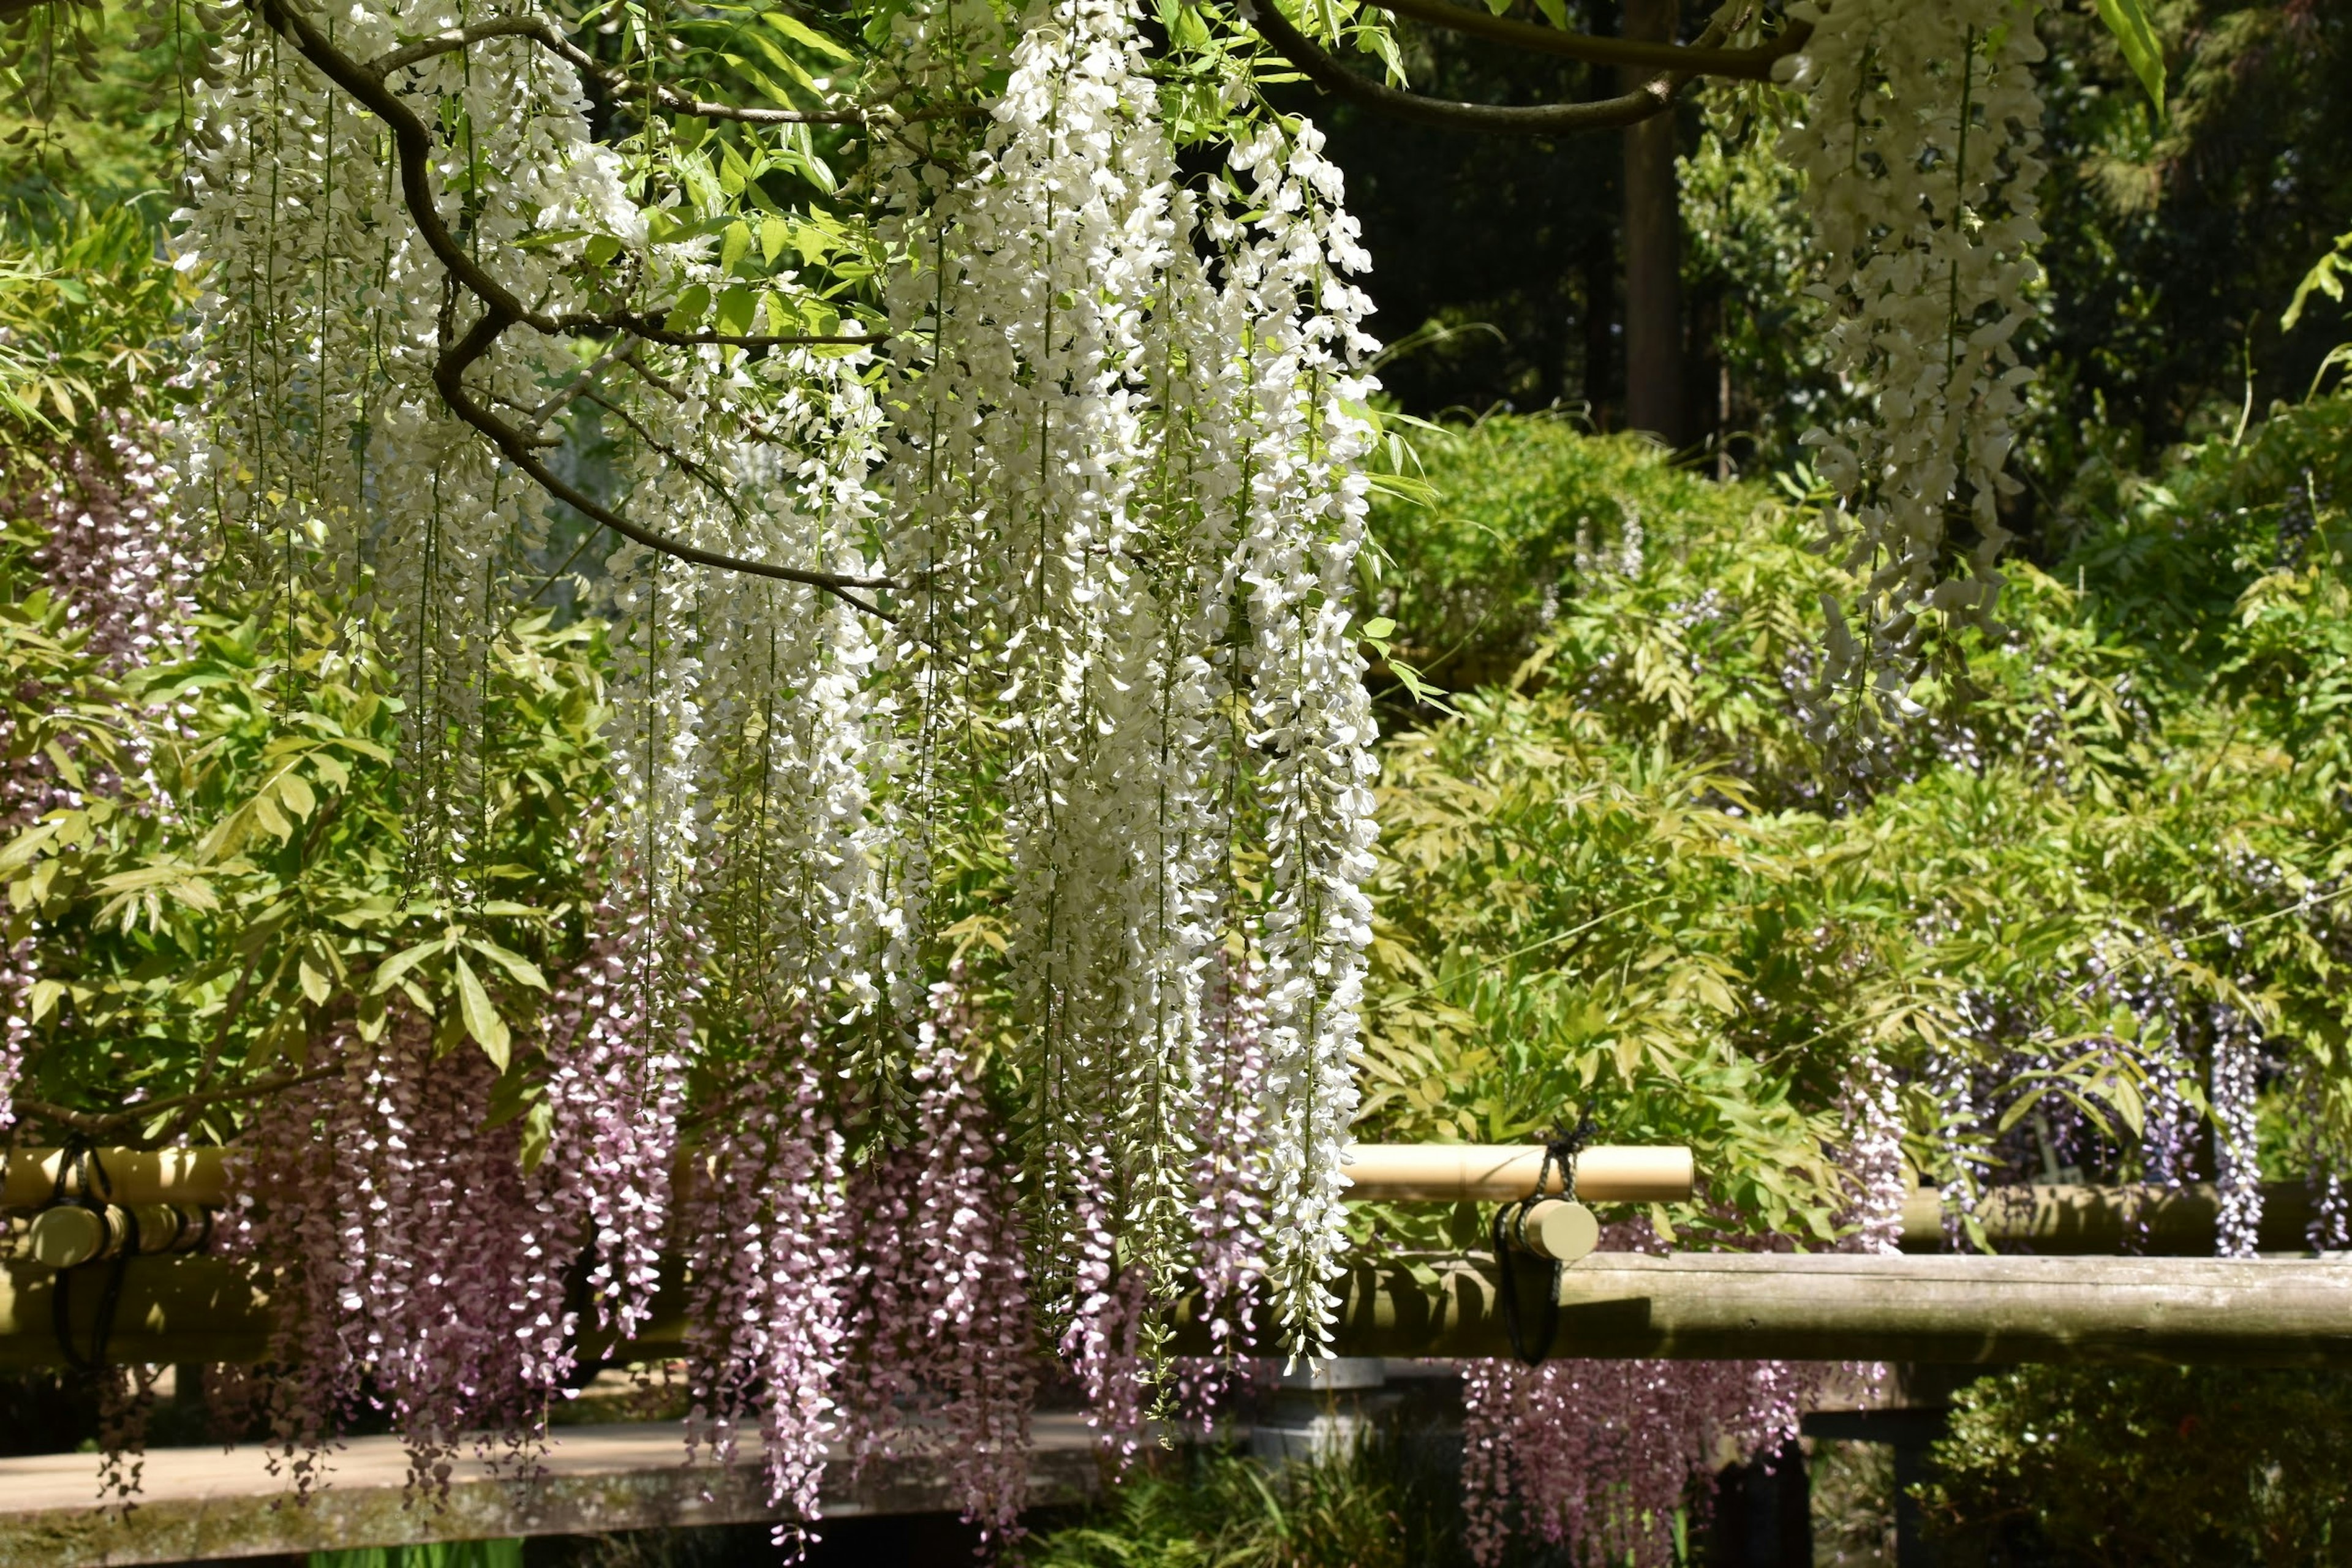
[(1850, 1307), (1952, 1308), (202, 1503)]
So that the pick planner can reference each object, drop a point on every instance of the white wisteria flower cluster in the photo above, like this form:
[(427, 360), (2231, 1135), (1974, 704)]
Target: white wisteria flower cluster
[(1919, 140), (1127, 498), (1068, 547)]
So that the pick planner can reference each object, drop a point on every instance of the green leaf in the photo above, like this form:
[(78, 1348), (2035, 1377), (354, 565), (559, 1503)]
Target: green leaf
[(688, 313), (26, 844), (2143, 51), (317, 984), (388, 973), (2327, 277), (272, 820), (737, 306), (774, 235), (801, 33), (734, 245), (482, 1020), (538, 1131), (524, 971), (295, 790), (511, 1096), (283, 1030)]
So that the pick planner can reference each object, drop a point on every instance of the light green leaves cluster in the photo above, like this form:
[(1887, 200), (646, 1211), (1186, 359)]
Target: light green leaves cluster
[(208, 927), (1627, 880)]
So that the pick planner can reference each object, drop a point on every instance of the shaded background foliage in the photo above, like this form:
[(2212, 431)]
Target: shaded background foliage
[(1625, 874), (2173, 245), (2103, 1467)]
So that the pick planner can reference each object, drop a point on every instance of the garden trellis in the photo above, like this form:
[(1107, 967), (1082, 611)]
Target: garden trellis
[(964, 872)]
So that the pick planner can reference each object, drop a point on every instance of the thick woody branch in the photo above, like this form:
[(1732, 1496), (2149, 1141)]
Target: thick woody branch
[(449, 376), (97, 1121), (1701, 59), (452, 40), (502, 309), (1321, 67), (414, 143)]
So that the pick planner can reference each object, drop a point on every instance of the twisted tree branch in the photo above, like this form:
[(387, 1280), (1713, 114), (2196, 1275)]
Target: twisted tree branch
[(448, 376), (1699, 59), (1320, 67), (108, 1121), (502, 309), (1653, 97)]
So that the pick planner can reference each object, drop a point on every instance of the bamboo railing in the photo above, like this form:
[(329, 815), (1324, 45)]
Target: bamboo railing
[(1947, 1307)]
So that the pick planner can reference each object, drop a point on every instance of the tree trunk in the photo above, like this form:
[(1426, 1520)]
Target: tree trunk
[(1600, 268), (1654, 323)]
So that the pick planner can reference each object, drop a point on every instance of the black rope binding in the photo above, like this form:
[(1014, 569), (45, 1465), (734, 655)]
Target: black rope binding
[(1510, 1233), (93, 1188)]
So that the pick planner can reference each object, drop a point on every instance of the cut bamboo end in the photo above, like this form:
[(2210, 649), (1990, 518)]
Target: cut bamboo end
[(1555, 1229), (1495, 1172)]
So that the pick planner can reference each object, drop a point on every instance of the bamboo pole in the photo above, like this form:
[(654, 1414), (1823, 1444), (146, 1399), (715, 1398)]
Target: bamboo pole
[(170, 1310), (68, 1234), (2063, 1219), (1952, 1308), (1453, 1173), (194, 1177), (1449, 1172)]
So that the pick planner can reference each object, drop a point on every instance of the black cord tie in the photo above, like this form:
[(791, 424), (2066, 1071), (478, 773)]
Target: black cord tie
[(91, 1188), (1510, 1233)]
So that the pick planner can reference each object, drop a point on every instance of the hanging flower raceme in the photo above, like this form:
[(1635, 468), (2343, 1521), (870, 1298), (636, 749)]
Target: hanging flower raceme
[(766, 1251), (1871, 1112), (433, 1259), (942, 1352), (1066, 561), (1918, 142), (1126, 505), (617, 1040), (1598, 1455), (2238, 1175), (108, 549), (398, 1226)]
